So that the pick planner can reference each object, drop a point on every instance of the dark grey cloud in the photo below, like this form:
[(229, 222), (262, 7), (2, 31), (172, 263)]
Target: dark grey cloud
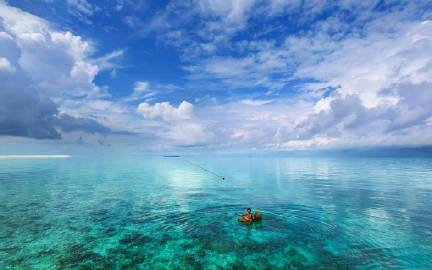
[(23, 112), (26, 113), (26, 110), (68, 123)]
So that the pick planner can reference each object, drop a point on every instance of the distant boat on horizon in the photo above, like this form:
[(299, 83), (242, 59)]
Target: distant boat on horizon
[(171, 156)]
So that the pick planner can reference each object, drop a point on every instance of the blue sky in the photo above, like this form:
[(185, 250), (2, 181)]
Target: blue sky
[(215, 75)]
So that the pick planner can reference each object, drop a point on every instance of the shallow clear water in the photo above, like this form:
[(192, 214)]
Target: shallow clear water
[(159, 213)]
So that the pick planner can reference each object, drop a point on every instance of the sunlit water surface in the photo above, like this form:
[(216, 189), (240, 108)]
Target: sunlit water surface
[(168, 213)]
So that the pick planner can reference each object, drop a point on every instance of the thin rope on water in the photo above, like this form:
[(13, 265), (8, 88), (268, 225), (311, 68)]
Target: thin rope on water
[(206, 170), (222, 178)]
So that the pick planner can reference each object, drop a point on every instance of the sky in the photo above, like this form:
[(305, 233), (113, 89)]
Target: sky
[(215, 75)]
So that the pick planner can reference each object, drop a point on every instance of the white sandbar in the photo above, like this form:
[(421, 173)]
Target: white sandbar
[(33, 156)]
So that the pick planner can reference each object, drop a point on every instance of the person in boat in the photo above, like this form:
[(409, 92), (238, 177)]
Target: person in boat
[(248, 217)]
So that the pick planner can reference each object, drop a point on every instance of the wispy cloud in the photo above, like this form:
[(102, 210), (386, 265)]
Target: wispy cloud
[(263, 74), (82, 9), (361, 60), (256, 102), (110, 60)]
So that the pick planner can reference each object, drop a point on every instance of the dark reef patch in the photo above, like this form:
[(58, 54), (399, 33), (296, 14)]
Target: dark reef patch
[(79, 256), (135, 239)]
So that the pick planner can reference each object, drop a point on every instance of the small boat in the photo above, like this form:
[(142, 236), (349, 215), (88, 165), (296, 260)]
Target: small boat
[(256, 217), (171, 156)]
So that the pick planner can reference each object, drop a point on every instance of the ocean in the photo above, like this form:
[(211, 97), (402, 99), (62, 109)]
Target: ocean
[(154, 212)]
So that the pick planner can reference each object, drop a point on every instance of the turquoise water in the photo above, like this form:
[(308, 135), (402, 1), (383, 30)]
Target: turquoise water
[(167, 213)]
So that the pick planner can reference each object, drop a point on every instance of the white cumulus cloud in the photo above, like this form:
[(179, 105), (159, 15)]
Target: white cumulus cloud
[(165, 111), (179, 124), (46, 68)]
